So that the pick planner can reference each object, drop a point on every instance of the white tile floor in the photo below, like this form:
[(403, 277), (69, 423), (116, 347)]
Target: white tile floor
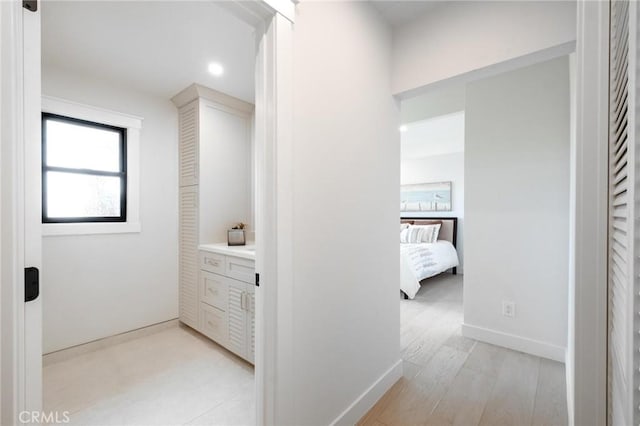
[(172, 377)]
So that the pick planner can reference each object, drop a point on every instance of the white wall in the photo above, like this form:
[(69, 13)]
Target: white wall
[(345, 209), (99, 285), (440, 168), (225, 173), (517, 206), (454, 38), (436, 102)]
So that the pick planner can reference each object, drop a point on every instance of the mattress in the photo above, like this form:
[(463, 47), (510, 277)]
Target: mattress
[(423, 260)]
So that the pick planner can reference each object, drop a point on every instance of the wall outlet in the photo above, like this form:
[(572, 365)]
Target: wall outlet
[(508, 309)]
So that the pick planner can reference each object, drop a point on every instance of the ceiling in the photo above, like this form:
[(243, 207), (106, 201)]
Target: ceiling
[(436, 136), (155, 47), (400, 12)]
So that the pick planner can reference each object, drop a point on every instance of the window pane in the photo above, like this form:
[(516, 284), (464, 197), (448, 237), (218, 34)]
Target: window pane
[(77, 195), (82, 147)]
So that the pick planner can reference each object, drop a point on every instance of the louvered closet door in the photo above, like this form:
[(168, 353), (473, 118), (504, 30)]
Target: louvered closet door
[(188, 255), (623, 239), (188, 137)]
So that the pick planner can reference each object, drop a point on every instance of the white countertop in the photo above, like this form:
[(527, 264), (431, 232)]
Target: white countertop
[(246, 252)]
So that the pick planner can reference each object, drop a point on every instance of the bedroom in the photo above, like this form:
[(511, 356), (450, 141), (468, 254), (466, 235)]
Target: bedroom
[(495, 153)]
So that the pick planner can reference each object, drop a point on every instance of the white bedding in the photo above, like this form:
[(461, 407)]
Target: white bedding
[(423, 260)]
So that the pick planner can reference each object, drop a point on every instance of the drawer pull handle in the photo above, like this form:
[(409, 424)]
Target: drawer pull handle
[(211, 262)]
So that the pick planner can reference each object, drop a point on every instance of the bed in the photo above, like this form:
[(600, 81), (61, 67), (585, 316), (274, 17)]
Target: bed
[(419, 261)]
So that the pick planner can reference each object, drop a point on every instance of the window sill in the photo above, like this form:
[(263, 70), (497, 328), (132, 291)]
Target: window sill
[(62, 229)]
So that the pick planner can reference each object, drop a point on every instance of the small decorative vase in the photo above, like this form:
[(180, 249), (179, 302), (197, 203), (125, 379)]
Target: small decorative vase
[(235, 237)]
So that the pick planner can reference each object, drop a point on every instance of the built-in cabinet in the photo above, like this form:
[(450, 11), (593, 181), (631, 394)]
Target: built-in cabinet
[(216, 192), (227, 304)]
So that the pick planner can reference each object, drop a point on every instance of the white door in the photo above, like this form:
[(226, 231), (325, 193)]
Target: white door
[(623, 285)]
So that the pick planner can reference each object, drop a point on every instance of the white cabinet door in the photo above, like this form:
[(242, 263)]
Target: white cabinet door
[(251, 323), (236, 315), (189, 129), (188, 254)]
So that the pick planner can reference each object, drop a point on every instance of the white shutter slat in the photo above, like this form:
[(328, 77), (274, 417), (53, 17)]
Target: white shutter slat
[(237, 322), (188, 141), (622, 278), (188, 255), (632, 381), (251, 323)]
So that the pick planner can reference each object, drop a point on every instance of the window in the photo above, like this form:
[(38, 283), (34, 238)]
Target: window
[(84, 171)]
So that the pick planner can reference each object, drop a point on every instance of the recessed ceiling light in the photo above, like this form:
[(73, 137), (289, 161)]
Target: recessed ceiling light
[(403, 128), (216, 69)]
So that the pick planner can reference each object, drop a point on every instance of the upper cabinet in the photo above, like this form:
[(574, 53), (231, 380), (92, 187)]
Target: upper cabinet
[(188, 141), (216, 155)]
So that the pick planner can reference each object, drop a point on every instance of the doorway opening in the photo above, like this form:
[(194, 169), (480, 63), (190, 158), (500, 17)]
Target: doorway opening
[(468, 332), (148, 319)]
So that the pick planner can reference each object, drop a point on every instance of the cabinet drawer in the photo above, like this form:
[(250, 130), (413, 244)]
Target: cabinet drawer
[(212, 262), (213, 323), (241, 269), (214, 290)]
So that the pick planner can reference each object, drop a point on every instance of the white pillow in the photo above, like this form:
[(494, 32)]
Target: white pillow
[(413, 234), (427, 233), (404, 234)]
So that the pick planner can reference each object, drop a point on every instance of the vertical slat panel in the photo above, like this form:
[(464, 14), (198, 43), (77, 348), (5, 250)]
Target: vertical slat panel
[(251, 327), (188, 255), (188, 142), (188, 214), (633, 307), (236, 318), (623, 263)]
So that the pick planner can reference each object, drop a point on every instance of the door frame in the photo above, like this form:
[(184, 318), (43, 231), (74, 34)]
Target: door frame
[(20, 127), (587, 350), (20, 370), (274, 206)]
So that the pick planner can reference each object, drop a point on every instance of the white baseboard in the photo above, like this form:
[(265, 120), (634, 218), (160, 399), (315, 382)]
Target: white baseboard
[(369, 397), (517, 343), (68, 353)]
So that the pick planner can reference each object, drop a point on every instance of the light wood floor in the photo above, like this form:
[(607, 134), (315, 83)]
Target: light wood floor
[(172, 377), (451, 380)]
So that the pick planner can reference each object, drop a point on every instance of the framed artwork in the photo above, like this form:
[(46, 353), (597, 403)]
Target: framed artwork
[(426, 197)]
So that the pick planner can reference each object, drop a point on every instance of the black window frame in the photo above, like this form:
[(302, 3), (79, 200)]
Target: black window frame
[(122, 174)]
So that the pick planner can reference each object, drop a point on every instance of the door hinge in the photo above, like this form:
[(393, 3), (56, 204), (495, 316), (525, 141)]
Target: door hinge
[(31, 284), (31, 5), (257, 279)]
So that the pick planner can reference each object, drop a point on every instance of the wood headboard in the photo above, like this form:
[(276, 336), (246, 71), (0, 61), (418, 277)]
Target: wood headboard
[(448, 230)]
